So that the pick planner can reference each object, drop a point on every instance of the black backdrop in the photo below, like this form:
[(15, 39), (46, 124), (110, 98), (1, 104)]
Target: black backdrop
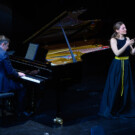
[(20, 19)]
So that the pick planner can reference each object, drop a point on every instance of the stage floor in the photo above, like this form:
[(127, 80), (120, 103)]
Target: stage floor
[(92, 125)]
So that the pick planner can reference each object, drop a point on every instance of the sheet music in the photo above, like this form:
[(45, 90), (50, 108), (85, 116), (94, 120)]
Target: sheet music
[(31, 52)]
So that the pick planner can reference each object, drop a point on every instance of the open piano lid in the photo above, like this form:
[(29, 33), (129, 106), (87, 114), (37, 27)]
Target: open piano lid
[(51, 36), (73, 26)]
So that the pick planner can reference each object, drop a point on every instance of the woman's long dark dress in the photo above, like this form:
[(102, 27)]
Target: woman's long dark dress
[(113, 103)]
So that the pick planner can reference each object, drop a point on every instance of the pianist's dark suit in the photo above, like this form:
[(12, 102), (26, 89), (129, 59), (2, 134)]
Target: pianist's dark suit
[(7, 83), (6, 72)]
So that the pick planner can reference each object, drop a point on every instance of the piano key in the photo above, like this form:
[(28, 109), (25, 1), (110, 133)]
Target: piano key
[(31, 79)]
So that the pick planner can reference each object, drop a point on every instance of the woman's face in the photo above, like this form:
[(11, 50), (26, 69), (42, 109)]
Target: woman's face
[(122, 30)]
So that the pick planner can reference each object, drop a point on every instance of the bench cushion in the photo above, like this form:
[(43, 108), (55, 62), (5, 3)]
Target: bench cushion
[(5, 95)]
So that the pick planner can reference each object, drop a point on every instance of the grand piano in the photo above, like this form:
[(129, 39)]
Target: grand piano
[(62, 42), (63, 45)]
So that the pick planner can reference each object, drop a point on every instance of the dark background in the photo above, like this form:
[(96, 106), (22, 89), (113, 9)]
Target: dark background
[(20, 19)]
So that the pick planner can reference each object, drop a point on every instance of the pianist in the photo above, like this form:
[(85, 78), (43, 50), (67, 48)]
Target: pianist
[(8, 75)]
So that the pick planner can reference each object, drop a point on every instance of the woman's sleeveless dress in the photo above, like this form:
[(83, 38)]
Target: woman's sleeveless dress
[(118, 99)]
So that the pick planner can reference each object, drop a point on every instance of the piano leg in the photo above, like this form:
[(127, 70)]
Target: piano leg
[(32, 97), (59, 95)]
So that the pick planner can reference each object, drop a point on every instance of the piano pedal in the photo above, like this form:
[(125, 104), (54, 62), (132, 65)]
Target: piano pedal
[(58, 120)]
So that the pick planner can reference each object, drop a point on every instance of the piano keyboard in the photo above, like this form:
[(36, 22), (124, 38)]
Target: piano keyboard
[(31, 79)]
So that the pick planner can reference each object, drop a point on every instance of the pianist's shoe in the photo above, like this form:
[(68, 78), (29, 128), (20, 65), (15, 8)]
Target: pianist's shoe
[(28, 114), (24, 115)]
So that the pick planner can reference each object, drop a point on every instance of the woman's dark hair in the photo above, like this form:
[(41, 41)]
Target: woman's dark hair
[(116, 26)]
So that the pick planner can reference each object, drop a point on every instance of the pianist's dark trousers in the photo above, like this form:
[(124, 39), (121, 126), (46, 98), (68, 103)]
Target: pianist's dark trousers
[(19, 100)]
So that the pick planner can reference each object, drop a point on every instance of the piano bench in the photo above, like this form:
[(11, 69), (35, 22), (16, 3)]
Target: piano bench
[(4, 98)]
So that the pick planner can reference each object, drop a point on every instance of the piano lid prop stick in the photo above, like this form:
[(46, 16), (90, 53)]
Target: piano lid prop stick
[(73, 57)]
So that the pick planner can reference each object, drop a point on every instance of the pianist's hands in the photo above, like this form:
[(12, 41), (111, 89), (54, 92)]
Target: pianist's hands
[(21, 74), (34, 72)]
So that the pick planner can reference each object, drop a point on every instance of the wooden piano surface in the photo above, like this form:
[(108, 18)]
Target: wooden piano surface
[(62, 56)]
